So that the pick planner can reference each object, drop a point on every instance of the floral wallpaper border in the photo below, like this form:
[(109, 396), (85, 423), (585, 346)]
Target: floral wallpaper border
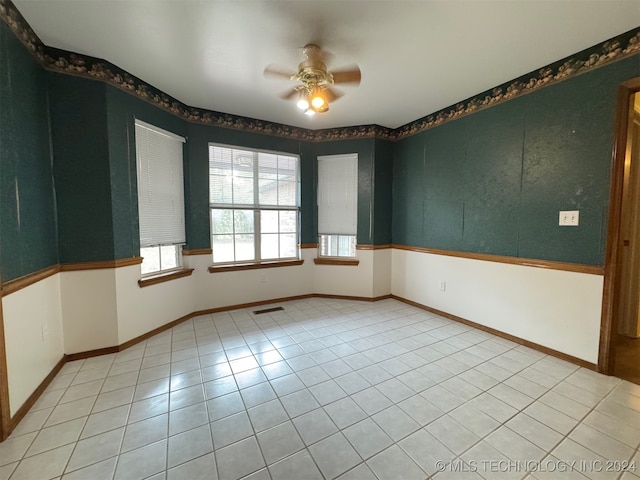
[(71, 63), (622, 46)]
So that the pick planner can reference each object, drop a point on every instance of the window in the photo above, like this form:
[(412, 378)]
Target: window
[(337, 245), (160, 198), (254, 202), (337, 205)]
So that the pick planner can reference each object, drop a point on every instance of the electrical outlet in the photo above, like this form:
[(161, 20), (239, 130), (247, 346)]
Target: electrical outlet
[(569, 218), (443, 286), (263, 277), (45, 332)]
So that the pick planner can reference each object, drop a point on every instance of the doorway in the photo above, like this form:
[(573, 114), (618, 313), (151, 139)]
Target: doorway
[(626, 334), (620, 332), (4, 382)]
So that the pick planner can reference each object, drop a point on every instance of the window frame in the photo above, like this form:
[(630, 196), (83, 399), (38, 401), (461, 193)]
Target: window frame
[(336, 236), (257, 209), (161, 271)]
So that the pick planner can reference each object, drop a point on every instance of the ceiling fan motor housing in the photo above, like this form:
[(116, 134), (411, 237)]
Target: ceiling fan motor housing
[(313, 71)]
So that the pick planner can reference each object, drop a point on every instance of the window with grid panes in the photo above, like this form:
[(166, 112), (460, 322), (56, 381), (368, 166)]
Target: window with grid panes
[(254, 205)]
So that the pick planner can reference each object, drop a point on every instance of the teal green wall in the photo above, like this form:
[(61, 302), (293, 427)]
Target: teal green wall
[(494, 181), (28, 236), (308, 194), (382, 192), (81, 168), (567, 164), (491, 182)]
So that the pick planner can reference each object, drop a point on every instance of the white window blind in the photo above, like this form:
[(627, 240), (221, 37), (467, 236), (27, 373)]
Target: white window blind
[(252, 178), (160, 186), (338, 194)]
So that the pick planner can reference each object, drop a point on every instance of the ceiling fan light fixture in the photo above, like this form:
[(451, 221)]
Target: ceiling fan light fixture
[(310, 112), (303, 101), (317, 101), (323, 108), (317, 98)]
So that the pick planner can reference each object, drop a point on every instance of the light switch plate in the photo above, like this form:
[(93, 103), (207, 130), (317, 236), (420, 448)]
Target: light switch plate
[(569, 218)]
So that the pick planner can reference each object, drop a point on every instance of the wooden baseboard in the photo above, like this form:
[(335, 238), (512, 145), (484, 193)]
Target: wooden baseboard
[(239, 306), (209, 311), (155, 331), (33, 398), (72, 357), (521, 341), (118, 348), (349, 297), (506, 336)]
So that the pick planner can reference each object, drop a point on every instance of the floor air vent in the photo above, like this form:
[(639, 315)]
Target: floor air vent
[(268, 310)]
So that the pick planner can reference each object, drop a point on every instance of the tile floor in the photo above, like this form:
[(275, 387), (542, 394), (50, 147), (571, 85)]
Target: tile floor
[(327, 389)]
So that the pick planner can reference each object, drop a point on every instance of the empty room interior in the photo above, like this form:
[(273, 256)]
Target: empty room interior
[(291, 240)]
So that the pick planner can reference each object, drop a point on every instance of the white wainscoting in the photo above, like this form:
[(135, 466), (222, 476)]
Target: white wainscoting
[(89, 309), (557, 309), (92, 309), (33, 336)]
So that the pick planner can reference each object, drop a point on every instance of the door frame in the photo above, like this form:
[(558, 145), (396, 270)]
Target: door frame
[(613, 254)]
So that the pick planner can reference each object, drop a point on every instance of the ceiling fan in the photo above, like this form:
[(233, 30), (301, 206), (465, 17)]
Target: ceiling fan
[(314, 93)]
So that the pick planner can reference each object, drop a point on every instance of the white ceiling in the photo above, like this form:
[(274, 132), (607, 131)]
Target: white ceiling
[(416, 56)]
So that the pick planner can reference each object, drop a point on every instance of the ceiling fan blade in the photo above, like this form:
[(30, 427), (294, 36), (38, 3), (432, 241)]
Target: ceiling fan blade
[(332, 94), (274, 71), (290, 94), (351, 75)]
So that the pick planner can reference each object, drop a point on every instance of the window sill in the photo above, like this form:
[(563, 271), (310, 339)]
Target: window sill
[(350, 262), (165, 277), (253, 266)]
